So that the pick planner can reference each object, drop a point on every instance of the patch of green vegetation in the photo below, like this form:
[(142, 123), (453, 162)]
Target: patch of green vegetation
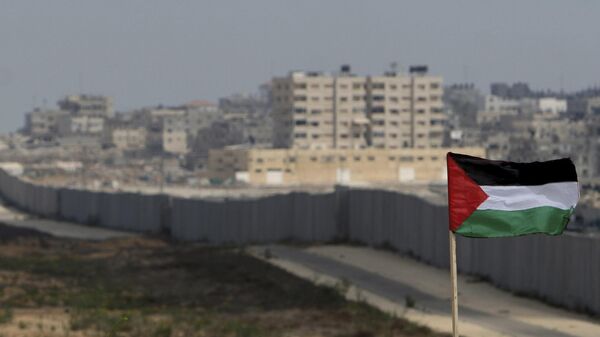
[(409, 302), (242, 329), (163, 329), (6, 315), (187, 290)]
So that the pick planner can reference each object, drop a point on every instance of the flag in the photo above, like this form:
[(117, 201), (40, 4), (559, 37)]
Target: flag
[(489, 198)]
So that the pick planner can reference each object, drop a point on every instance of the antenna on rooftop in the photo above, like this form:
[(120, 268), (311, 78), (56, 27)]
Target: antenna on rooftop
[(80, 82)]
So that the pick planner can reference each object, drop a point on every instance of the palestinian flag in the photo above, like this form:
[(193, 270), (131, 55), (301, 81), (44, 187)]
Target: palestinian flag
[(488, 198)]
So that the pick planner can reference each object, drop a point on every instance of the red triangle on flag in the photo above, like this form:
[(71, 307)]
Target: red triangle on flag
[(464, 195)]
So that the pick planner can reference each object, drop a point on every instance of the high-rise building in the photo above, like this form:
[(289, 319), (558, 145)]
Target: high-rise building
[(343, 110)]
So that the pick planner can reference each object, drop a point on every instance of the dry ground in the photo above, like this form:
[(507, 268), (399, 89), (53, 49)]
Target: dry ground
[(152, 288)]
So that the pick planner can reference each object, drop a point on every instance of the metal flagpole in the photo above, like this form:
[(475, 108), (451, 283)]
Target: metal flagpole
[(453, 278)]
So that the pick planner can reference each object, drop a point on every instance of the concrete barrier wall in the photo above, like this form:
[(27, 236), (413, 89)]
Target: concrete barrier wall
[(294, 216), (563, 270)]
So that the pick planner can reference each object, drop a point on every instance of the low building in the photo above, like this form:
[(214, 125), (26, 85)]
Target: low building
[(593, 106), (331, 166), (129, 139), (552, 106)]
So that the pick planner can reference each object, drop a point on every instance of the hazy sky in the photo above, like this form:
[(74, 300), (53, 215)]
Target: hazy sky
[(145, 52)]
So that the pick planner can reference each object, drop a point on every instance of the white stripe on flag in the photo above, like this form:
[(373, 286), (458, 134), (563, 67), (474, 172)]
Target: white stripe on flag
[(514, 198)]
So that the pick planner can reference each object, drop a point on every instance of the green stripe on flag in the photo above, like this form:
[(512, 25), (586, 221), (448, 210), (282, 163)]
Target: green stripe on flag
[(493, 223)]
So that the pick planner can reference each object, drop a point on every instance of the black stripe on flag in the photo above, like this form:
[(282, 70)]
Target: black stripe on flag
[(505, 173)]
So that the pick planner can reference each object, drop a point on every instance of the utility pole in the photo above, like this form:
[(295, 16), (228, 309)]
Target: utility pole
[(162, 173)]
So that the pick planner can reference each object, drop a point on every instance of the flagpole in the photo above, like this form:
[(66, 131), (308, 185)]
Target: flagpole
[(453, 281)]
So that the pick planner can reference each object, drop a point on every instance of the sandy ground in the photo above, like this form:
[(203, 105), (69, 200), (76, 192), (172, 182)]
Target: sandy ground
[(386, 279)]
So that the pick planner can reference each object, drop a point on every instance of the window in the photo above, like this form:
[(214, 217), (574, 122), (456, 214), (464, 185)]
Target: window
[(300, 135), (300, 98), (371, 158), (406, 158), (313, 158), (377, 109), (301, 122)]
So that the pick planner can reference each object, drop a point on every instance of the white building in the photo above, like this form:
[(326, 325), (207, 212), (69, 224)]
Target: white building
[(552, 106)]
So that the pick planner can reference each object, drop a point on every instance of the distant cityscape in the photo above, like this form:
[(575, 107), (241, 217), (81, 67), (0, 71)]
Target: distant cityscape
[(310, 128)]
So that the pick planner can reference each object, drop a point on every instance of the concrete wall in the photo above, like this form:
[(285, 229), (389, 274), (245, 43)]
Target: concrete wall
[(294, 216), (563, 270)]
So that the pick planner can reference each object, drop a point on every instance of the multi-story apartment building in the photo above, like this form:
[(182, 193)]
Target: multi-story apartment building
[(181, 127), (129, 138), (89, 105), (321, 111), (86, 124), (251, 113), (43, 122)]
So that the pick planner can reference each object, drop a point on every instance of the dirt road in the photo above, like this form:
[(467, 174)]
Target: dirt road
[(421, 293)]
